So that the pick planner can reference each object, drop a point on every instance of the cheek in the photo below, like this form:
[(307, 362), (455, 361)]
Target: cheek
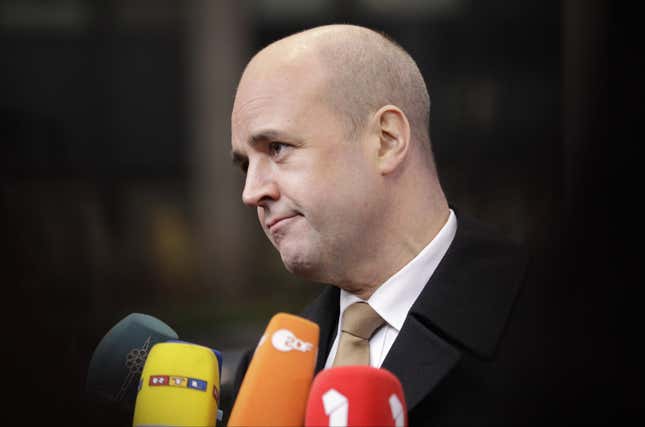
[(331, 185), (336, 200)]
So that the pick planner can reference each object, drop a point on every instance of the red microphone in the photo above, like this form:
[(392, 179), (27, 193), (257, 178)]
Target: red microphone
[(356, 396)]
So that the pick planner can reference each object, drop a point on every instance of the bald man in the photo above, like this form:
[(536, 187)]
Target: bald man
[(330, 127)]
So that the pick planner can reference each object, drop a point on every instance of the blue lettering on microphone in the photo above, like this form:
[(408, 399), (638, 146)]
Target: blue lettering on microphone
[(197, 384)]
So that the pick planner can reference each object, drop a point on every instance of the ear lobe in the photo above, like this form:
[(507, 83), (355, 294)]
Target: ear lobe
[(394, 138)]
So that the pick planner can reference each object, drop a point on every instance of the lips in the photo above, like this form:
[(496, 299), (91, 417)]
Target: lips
[(277, 222)]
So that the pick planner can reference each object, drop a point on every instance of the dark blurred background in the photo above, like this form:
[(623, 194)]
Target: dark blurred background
[(118, 193)]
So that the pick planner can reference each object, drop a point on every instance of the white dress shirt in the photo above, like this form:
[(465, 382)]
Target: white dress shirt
[(394, 298)]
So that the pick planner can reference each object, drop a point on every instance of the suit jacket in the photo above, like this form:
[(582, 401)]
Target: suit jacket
[(470, 351)]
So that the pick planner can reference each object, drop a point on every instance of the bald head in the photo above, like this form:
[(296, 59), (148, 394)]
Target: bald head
[(362, 70)]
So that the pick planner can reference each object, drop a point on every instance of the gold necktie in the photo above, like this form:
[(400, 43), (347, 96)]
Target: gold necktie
[(359, 323)]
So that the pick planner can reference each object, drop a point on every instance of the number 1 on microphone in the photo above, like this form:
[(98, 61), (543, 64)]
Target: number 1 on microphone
[(336, 408), (397, 411)]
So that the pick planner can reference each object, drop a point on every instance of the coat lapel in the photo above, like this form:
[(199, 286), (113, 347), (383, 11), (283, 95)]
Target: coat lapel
[(463, 307), (420, 360), (324, 311)]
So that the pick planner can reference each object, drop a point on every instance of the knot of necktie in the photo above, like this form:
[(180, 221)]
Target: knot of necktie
[(359, 323), (359, 319)]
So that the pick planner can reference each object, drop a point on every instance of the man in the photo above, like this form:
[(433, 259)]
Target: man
[(330, 127)]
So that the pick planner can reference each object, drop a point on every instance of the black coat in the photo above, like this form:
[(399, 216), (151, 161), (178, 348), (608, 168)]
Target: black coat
[(475, 348)]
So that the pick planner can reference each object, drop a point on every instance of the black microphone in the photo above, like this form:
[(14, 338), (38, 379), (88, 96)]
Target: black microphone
[(116, 364)]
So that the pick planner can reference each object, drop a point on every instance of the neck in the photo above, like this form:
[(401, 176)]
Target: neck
[(409, 232)]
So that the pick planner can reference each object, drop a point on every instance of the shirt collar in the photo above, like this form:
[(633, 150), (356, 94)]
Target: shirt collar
[(394, 298)]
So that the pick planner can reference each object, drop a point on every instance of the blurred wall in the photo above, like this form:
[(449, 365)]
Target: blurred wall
[(118, 193)]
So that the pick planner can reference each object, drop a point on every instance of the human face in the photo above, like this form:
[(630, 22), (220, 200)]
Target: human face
[(312, 187)]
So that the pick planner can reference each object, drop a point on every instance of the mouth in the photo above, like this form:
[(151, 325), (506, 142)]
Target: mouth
[(276, 223)]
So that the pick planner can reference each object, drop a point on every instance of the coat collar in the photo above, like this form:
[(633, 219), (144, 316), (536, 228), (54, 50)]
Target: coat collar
[(464, 306)]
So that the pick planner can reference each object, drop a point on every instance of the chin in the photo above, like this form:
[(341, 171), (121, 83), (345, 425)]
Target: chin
[(300, 265)]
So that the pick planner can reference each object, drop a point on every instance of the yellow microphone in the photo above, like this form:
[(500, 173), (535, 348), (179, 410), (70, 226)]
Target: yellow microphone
[(179, 386), (276, 386)]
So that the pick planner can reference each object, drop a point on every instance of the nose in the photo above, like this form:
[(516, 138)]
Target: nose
[(260, 186)]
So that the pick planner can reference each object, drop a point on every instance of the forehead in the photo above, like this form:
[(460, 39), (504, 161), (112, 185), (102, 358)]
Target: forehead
[(278, 95)]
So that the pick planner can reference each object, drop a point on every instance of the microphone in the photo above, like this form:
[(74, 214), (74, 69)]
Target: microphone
[(348, 396), (116, 364), (117, 361), (179, 386), (276, 384)]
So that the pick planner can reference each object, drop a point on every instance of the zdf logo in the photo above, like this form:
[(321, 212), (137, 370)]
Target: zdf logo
[(285, 340)]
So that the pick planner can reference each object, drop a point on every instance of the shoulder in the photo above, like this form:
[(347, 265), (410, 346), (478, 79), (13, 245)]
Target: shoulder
[(477, 238), (472, 292), (482, 302)]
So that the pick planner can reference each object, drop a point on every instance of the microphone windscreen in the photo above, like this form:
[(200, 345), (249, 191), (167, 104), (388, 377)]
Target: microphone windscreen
[(179, 386), (218, 354), (276, 384), (117, 361), (356, 396)]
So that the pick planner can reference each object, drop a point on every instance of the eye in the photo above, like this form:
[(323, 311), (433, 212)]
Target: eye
[(243, 165), (240, 161), (277, 148)]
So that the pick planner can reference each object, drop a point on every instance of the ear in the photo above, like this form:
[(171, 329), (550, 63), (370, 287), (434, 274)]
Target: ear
[(393, 131)]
